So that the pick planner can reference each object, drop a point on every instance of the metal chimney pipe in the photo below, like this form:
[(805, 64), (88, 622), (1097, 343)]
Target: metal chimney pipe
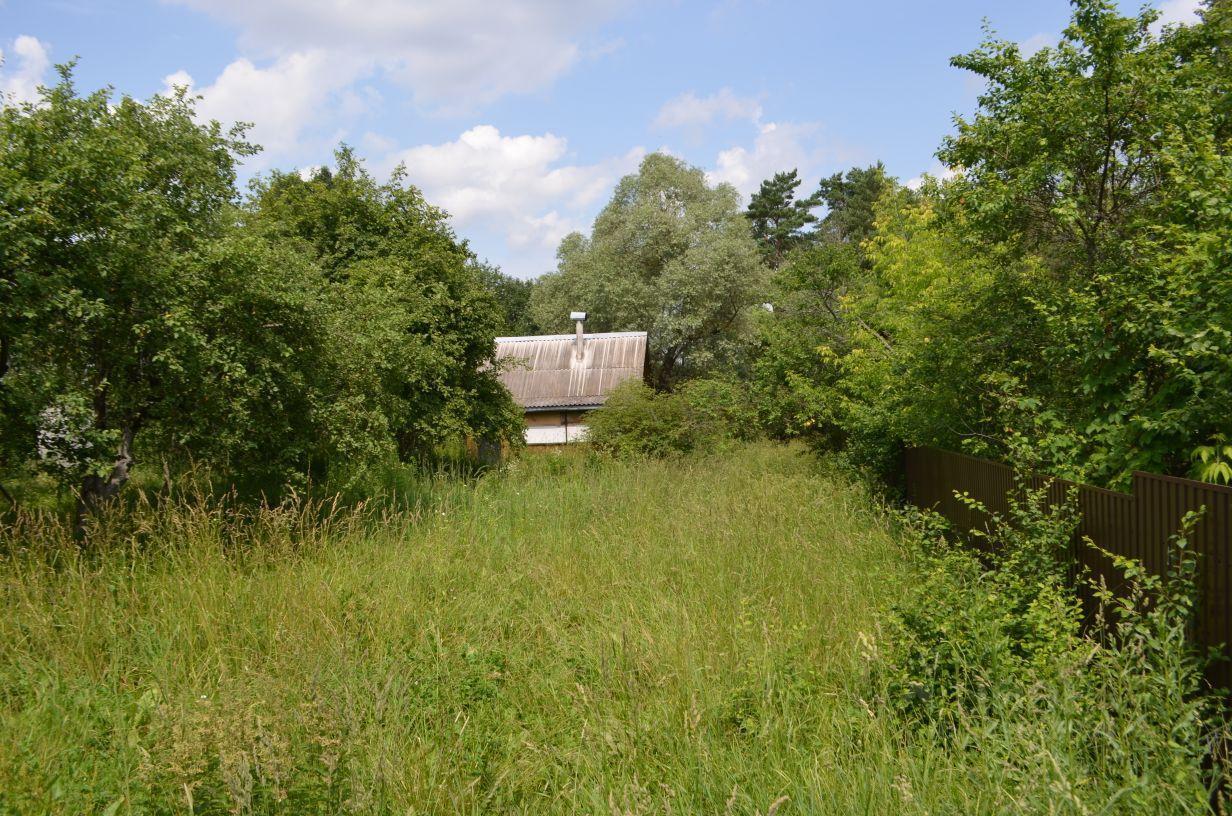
[(579, 318)]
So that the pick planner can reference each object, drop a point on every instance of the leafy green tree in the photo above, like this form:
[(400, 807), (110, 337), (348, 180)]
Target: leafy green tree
[(513, 296), (144, 313), (780, 220), (1107, 158), (107, 205), (851, 200), (811, 328), (418, 319), (670, 255), (1066, 294), (258, 397)]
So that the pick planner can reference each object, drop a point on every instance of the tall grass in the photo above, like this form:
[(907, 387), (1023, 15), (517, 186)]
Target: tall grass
[(572, 635)]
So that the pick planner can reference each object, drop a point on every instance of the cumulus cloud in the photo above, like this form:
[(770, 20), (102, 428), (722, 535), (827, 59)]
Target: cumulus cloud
[(521, 187), (452, 55), (23, 68), (688, 109), (780, 146), (938, 171), (282, 100), (1177, 12)]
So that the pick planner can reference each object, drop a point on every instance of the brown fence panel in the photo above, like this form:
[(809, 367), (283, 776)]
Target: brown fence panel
[(1137, 525), (1162, 503), (1110, 521), (934, 477)]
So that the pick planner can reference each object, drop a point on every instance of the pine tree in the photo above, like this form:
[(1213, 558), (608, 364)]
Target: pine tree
[(780, 222)]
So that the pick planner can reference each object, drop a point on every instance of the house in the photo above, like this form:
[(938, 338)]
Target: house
[(558, 378)]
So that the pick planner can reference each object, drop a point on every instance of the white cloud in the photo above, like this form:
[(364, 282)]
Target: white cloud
[(283, 100), (938, 171), (453, 55), (780, 146), (24, 69), (1036, 43), (1176, 12), (688, 109), (520, 187)]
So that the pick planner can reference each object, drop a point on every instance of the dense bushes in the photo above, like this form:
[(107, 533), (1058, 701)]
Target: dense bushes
[(148, 313), (986, 654), (702, 415), (1066, 286)]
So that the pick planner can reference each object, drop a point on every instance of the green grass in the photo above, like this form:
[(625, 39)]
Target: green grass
[(575, 635)]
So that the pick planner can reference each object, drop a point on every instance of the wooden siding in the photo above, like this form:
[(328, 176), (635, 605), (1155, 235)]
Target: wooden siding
[(555, 427)]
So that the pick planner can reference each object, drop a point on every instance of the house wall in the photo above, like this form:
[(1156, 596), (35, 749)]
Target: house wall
[(555, 427)]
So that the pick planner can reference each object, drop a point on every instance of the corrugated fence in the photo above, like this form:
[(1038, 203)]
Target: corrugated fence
[(1136, 524)]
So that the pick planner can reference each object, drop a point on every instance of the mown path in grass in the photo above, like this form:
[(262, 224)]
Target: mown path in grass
[(575, 635)]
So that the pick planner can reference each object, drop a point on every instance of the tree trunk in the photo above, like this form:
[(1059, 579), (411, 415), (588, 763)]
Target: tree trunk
[(97, 490)]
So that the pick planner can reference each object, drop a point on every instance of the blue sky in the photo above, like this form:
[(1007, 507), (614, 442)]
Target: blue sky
[(519, 116)]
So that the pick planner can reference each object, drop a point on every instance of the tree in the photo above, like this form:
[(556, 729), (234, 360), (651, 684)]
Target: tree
[(1065, 294), (107, 203), (851, 201), (513, 296), (1107, 157), (670, 255), (780, 221), (801, 344), (418, 320), (322, 325)]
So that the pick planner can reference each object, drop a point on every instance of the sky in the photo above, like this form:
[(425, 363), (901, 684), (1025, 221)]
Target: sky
[(519, 117)]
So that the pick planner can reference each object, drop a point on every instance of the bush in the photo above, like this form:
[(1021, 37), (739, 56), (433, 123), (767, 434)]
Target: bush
[(987, 654), (703, 415), (973, 625)]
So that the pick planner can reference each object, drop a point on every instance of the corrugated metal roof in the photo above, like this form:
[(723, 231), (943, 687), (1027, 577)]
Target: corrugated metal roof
[(547, 374)]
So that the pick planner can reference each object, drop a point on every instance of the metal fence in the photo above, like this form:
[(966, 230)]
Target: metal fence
[(1136, 524)]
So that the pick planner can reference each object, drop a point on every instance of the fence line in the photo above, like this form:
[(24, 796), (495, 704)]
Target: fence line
[(1136, 524)]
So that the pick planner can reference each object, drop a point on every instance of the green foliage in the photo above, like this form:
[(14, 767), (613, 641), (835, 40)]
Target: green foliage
[(108, 206), (982, 622), (933, 324), (1068, 286), (780, 220), (703, 414), (513, 297), (1213, 463), (806, 347), (417, 319), (668, 255), (1107, 159), (637, 421), (986, 652), (850, 199), (320, 327)]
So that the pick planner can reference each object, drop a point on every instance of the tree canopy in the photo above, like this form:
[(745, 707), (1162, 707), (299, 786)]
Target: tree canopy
[(147, 312), (1064, 294), (669, 254)]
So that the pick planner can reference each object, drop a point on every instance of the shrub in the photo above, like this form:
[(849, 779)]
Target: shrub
[(987, 653), (977, 621), (720, 410), (701, 415)]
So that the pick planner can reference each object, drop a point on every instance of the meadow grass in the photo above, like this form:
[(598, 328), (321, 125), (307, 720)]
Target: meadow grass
[(572, 635)]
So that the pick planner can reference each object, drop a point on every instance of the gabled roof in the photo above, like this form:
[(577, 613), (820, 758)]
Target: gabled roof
[(545, 372)]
